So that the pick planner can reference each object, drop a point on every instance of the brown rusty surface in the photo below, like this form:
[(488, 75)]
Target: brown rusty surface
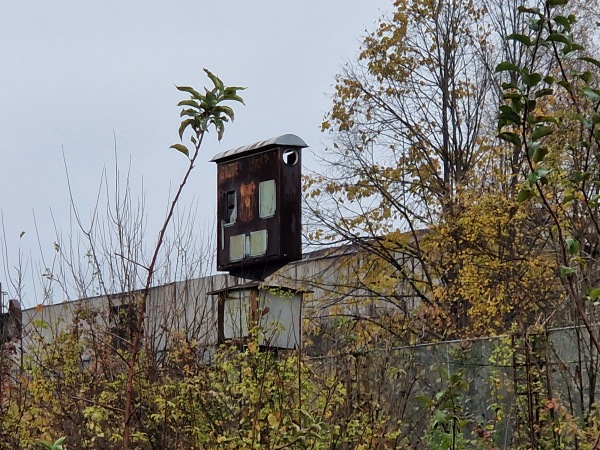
[(243, 176), (228, 171), (247, 203)]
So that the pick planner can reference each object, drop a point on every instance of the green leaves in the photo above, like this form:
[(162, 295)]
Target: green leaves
[(564, 22), (559, 37), (557, 111), (202, 111), (544, 92), (195, 94), (522, 38), (513, 138), (57, 445), (540, 132), (592, 94), (191, 103), (538, 152), (540, 175), (530, 79), (181, 148), (593, 61), (216, 81), (231, 94), (507, 66), (565, 271), (525, 194), (186, 123), (594, 293), (520, 112), (508, 115), (572, 245)]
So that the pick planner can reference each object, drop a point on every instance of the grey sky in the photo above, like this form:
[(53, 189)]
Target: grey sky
[(72, 73)]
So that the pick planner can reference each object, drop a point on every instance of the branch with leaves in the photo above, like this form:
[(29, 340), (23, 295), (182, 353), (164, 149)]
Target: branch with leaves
[(551, 115), (201, 111)]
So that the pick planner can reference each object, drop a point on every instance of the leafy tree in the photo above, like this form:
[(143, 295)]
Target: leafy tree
[(417, 173), (550, 117)]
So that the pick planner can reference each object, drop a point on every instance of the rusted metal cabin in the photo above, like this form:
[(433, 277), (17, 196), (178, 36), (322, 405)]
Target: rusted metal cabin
[(276, 310), (259, 207)]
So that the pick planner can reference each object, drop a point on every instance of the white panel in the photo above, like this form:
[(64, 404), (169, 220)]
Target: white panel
[(258, 243), (266, 199), (236, 310), (237, 247), (282, 321)]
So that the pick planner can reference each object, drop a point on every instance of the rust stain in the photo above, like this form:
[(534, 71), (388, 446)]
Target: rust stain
[(228, 171), (247, 201), (260, 162)]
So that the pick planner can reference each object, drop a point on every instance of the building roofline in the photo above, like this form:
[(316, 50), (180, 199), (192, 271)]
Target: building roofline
[(288, 140)]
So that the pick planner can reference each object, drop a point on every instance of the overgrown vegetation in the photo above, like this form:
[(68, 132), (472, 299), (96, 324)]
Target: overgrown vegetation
[(461, 192)]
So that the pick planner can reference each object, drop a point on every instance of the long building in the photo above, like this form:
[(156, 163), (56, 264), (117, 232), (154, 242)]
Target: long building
[(215, 308)]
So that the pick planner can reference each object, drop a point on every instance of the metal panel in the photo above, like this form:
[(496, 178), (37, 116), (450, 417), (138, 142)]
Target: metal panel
[(285, 140)]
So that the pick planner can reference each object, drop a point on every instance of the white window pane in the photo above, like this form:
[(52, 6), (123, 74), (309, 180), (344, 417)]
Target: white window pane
[(258, 243), (266, 198), (235, 321), (281, 324), (237, 247)]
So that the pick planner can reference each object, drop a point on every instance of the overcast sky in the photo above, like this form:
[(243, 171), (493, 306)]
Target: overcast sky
[(74, 75)]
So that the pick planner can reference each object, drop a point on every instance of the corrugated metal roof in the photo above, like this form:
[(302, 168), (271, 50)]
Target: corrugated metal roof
[(290, 140)]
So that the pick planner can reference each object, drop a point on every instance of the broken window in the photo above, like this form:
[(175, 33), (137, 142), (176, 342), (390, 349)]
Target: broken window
[(230, 205)]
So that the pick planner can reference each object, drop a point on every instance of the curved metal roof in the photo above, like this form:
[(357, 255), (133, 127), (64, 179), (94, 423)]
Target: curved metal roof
[(288, 140)]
